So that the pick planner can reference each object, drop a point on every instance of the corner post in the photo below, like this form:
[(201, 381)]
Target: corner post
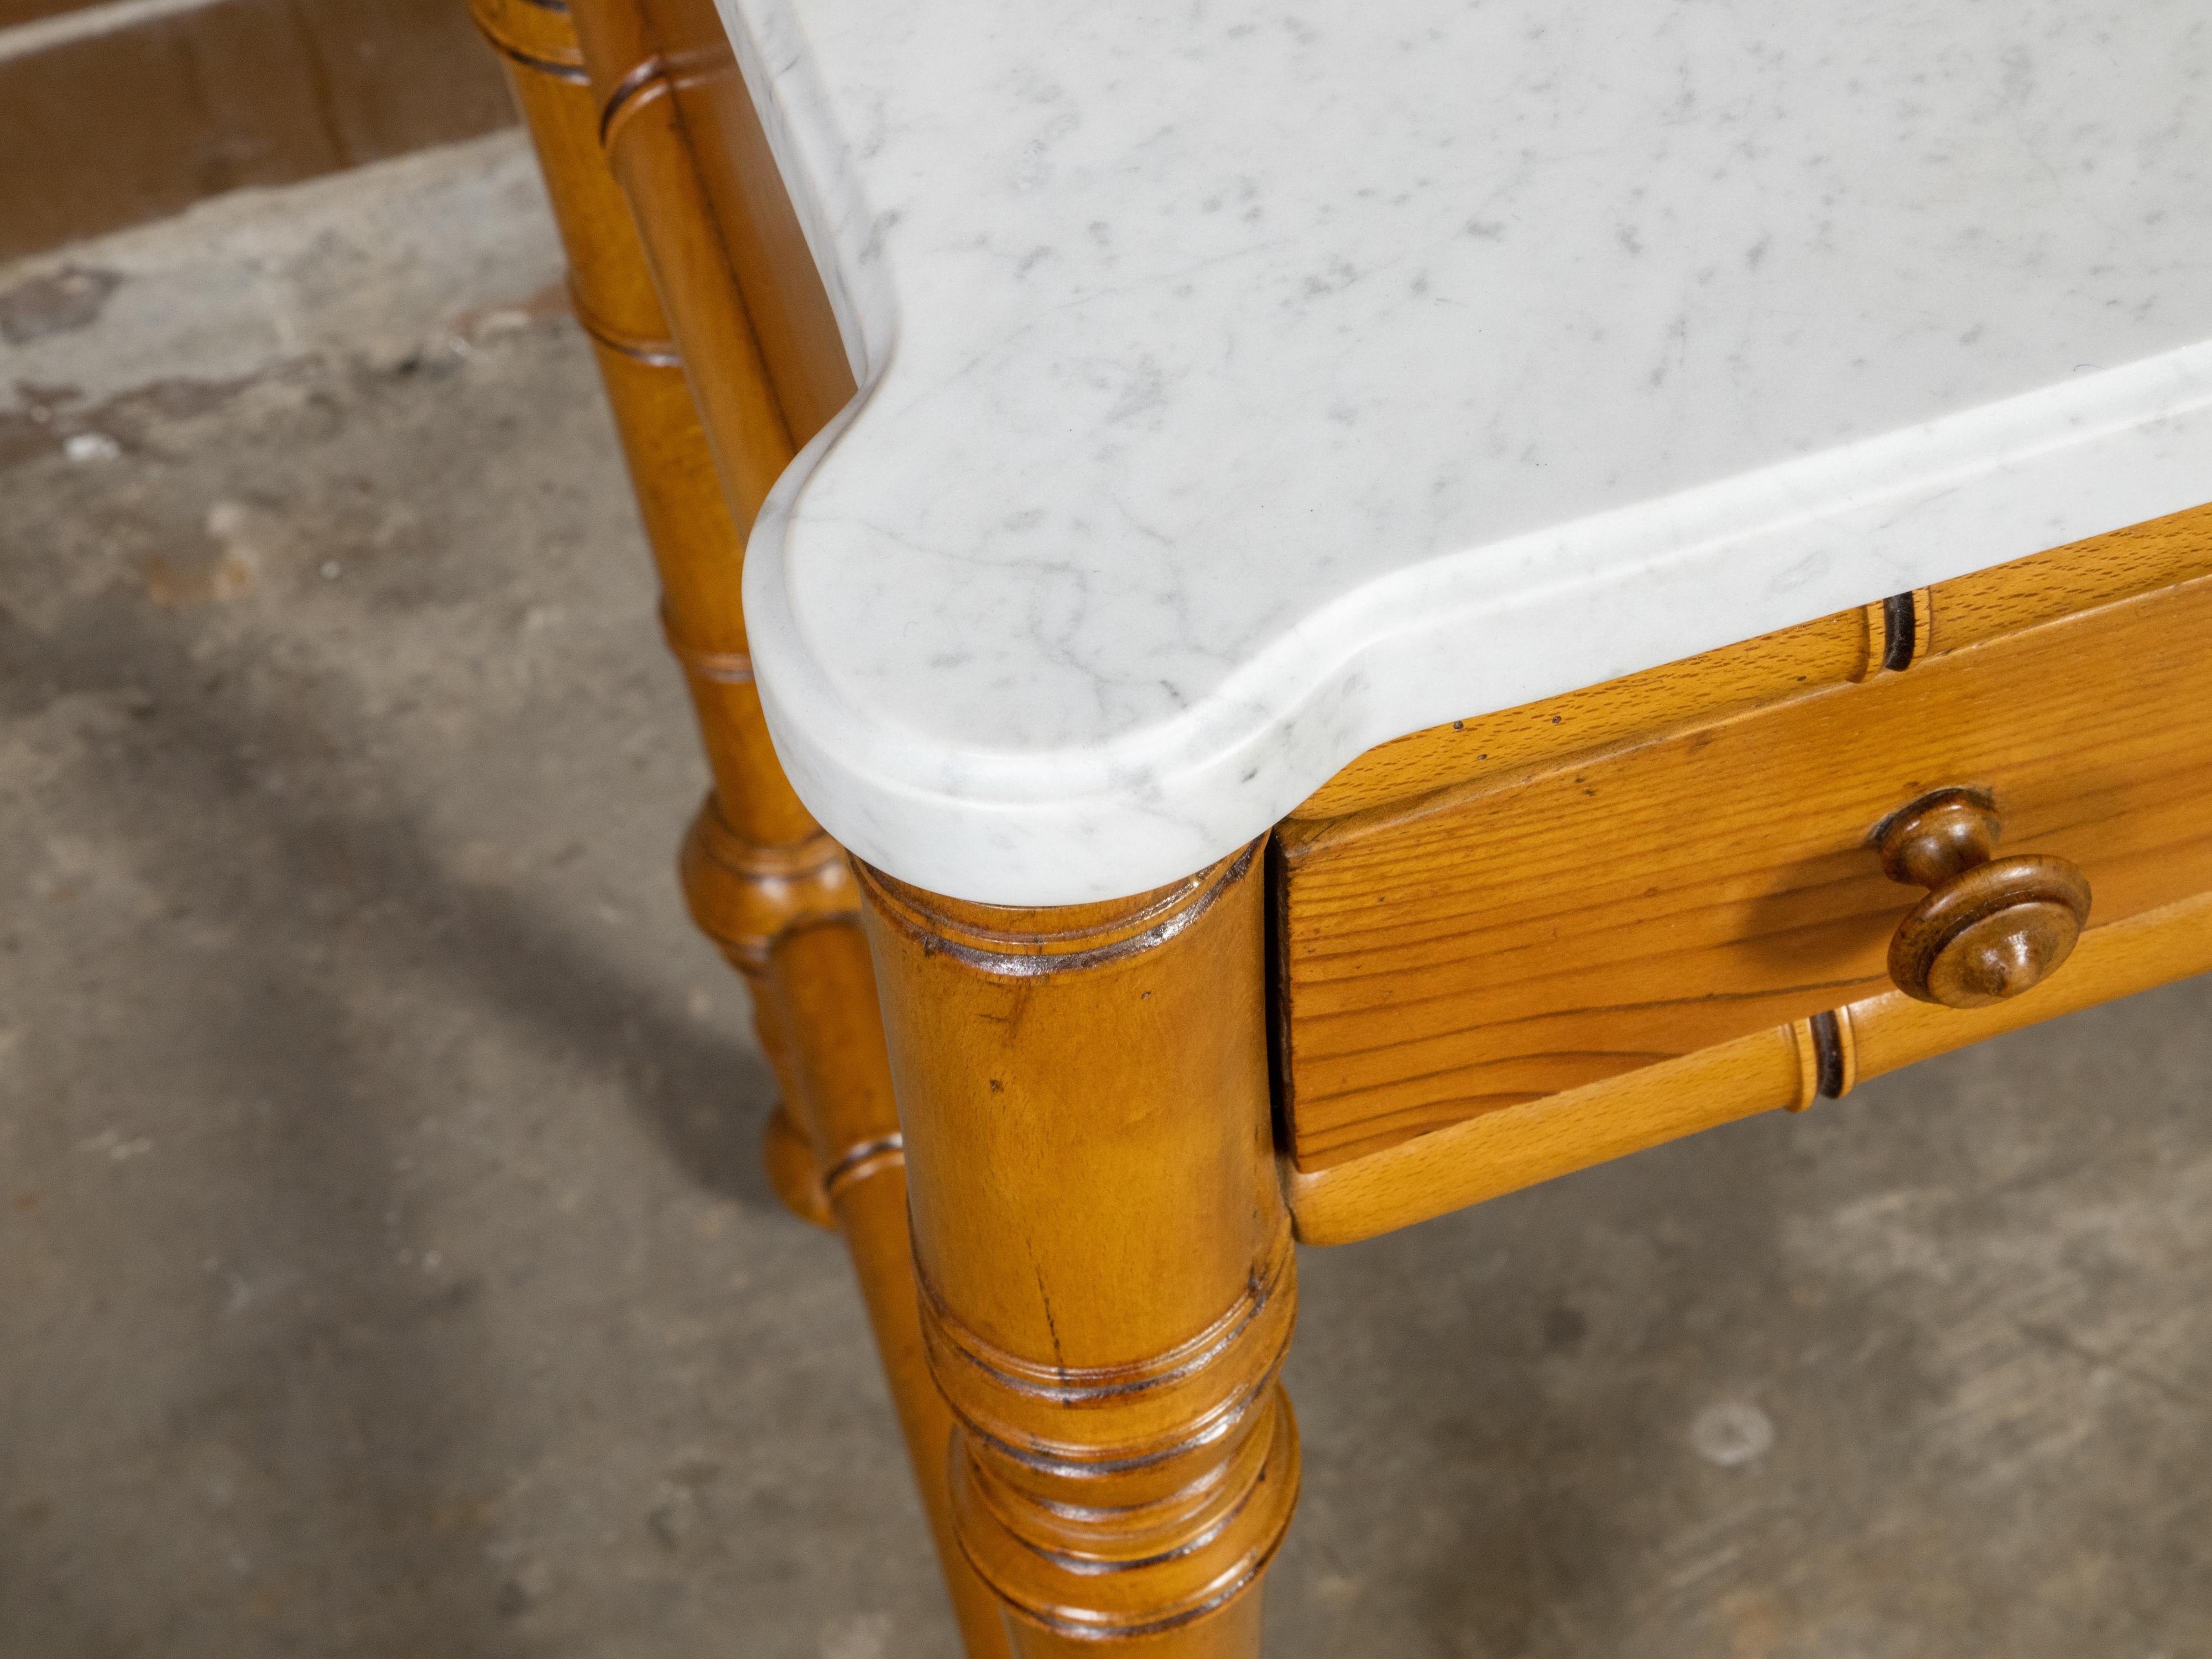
[(1103, 1251)]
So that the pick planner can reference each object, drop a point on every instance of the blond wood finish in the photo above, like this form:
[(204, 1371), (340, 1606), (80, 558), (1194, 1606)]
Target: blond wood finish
[(1103, 1253), (1503, 1152), (1528, 740), (1835, 650), (724, 239), (1505, 942), (773, 891), (2029, 591), (787, 1150), (825, 988), (1105, 1286), (696, 542)]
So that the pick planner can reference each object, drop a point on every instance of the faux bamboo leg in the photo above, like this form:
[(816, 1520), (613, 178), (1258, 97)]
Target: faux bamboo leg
[(824, 979), (1103, 1253), (763, 881)]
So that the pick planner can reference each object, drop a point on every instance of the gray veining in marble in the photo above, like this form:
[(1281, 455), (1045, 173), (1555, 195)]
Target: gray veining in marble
[(1246, 384)]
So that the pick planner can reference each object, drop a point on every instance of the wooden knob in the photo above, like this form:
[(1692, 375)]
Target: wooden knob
[(1990, 927)]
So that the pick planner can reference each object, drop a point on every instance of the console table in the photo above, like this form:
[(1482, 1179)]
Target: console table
[(1302, 618)]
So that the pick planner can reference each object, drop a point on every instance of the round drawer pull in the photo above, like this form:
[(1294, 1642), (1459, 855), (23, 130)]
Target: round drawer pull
[(1990, 928)]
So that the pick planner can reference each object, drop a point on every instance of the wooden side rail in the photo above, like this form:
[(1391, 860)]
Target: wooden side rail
[(1782, 1068)]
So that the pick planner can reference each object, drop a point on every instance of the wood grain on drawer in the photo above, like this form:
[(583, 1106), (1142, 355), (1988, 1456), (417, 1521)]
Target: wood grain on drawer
[(1511, 938), (1772, 668)]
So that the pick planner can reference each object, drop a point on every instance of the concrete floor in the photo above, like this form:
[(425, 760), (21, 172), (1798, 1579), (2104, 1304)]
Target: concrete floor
[(385, 1265)]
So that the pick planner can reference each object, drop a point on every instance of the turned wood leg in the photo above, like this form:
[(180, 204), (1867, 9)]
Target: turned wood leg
[(1103, 1254), (763, 881)]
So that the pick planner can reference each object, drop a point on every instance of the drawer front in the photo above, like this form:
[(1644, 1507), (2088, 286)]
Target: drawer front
[(1508, 940)]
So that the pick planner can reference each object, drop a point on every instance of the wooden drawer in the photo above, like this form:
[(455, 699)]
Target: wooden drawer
[(1498, 940)]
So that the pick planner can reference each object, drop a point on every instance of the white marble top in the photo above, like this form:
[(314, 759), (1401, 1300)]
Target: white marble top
[(1248, 382)]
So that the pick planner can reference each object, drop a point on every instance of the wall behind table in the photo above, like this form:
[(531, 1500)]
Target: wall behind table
[(118, 110)]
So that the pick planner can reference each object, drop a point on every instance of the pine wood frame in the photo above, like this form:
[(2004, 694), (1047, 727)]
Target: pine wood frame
[(763, 881), (1073, 1229), (1615, 896)]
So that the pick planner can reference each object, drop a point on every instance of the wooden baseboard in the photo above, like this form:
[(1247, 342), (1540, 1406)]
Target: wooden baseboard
[(129, 110)]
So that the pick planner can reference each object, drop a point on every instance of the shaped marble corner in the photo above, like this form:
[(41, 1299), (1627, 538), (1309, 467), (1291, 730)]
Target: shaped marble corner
[(1244, 388)]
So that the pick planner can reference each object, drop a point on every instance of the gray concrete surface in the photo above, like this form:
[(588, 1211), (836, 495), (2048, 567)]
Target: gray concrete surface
[(385, 1267)]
